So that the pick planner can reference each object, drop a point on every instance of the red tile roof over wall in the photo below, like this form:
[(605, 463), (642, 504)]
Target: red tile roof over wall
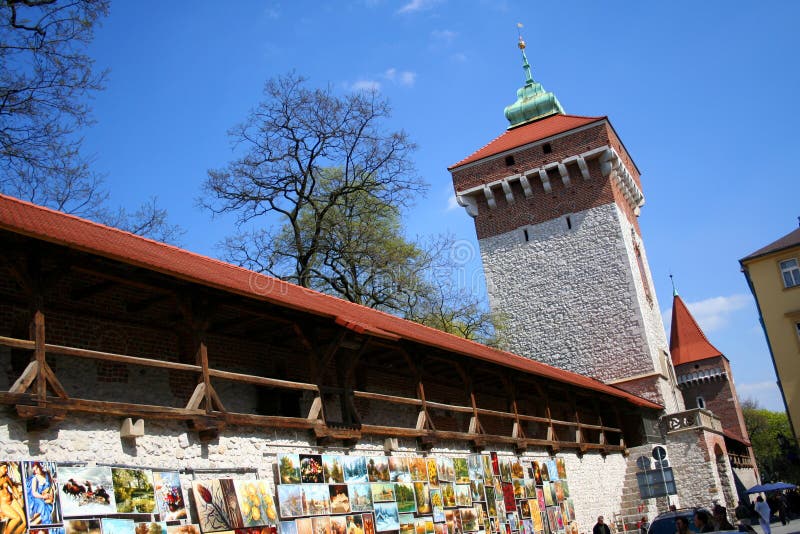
[(687, 342), (47, 225), (529, 133)]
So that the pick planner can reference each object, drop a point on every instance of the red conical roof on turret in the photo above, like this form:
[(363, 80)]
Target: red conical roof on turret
[(687, 342)]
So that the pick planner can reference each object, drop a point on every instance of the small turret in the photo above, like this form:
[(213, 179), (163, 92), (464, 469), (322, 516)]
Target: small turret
[(533, 102)]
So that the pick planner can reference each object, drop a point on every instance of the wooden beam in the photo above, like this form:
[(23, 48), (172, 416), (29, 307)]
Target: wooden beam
[(119, 358), (197, 397), (39, 355), (202, 361), (315, 412), (27, 377), (262, 380), (25, 344), (53, 382)]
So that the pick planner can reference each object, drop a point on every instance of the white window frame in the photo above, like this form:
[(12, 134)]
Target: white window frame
[(790, 272)]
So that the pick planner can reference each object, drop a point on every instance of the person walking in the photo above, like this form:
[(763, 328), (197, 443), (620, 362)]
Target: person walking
[(681, 525), (763, 512), (702, 521), (600, 527)]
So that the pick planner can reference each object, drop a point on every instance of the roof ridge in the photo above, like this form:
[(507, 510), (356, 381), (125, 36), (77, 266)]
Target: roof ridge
[(680, 342)]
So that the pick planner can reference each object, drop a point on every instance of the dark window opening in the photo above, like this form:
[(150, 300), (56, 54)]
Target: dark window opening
[(525, 233), (569, 223), (546, 148), (509, 161)]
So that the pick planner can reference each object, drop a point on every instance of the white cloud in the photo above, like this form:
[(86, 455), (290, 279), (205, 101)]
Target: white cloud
[(366, 85), (452, 203), (712, 313), (417, 5), (402, 77), (447, 36), (459, 57), (766, 394)]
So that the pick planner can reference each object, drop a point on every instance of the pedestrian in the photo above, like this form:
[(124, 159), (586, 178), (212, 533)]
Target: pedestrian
[(702, 521), (681, 525), (600, 527), (763, 512), (783, 508), (743, 514), (721, 518)]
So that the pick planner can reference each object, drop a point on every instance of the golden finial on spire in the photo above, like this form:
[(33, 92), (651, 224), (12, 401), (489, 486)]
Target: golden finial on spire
[(521, 43)]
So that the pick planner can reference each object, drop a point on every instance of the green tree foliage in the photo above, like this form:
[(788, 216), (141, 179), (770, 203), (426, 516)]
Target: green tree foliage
[(774, 446), (46, 81)]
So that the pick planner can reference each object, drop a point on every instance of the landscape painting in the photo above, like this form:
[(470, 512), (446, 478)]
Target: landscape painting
[(289, 468), (378, 469), (86, 491), (41, 494), (332, 469), (360, 497), (304, 526), (290, 500), (117, 526), (517, 471), (386, 517), (216, 506), (338, 524), (288, 527), (476, 490), (133, 491), (463, 495), (316, 499), (382, 492), (169, 495), (355, 524), (256, 503), (355, 469), (398, 469), (82, 526), (448, 494), (406, 523), (321, 525), (561, 468), (461, 471), (422, 497), (369, 523), (469, 520), (475, 466), (152, 527), (406, 501), (446, 469), (537, 474), (418, 469)]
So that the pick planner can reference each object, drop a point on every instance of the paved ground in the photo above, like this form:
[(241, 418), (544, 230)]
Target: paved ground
[(777, 528)]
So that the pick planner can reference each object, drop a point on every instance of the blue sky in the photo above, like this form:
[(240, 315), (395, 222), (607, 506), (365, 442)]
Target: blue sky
[(702, 93)]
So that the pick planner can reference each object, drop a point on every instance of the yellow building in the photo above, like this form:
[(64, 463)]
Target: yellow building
[(773, 274)]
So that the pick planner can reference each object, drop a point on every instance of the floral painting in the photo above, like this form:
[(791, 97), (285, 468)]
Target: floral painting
[(216, 505), (256, 503), (169, 495), (82, 526), (311, 469)]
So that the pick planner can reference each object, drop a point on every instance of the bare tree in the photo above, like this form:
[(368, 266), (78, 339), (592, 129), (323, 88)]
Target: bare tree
[(46, 82), (304, 152)]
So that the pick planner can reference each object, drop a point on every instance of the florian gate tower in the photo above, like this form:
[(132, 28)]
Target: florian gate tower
[(556, 200)]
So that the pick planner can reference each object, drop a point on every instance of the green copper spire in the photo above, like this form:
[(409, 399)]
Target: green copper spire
[(533, 102)]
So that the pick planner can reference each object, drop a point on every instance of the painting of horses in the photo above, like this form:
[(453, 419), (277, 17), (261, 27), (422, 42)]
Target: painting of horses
[(86, 491)]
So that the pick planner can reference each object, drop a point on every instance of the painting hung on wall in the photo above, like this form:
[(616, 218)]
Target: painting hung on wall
[(517, 471), (565, 489), (508, 497), (47, 530), (378, 469), (360, 497), (544, 472), (216, 506), (41, 496), (418, 469), (86, 491), (354, 524), (287, 527), (311, 469), (398, 469), (475, 467), (386, 516), (256, 503), (476, 490), (316, 499), (169, 495), (519, 488), (338, 524), (117, 526), (524, 509), (321, 525), (82, 526), (406, 523), (406, 501), (183, 529), (445, 469), (290, 500), (304, 526), (537, 473), (422, 498), (448, 494), (491, 502), (12, 506), (461, 471), (437, 505), (332, 469), (369, 523), (382, 492), (540, 498), (530, 488), (289, 468), (433, 473), (355, 469), (133, 491), (151, 527), (452, 519), (469, 520), (340, 498), (561, 468), (463, 495)]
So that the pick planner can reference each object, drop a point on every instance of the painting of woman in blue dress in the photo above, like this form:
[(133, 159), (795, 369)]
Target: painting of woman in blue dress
[(41, 495)]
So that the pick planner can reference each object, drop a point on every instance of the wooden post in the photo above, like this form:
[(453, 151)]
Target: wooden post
[(39, 357), (202, 361)]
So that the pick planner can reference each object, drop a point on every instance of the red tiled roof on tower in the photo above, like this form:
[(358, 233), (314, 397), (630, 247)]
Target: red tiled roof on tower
[(687, 342), (529, 133)]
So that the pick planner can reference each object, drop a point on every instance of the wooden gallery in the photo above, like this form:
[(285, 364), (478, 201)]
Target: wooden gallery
[(118, 351)]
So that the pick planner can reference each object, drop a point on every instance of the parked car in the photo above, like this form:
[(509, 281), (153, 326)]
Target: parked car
[(665, 523)]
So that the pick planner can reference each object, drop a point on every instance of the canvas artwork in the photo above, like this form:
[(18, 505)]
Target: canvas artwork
[(289, 468), (47, 530), (452, 519), (82, 526), (321, 525), (418, 469), (355, 469), (440, 528), (304, 526), (565, 488), (565, 512), (544, 471), (536, 516), (340, 498), (256, 503), (117, 526), (316, 499), (264, 529), (290, 500), (133, 491), (183, 529), (311, 469), (398, 469), (524, 509), (491, 503), (540, 498), (463, 495), (469, 520), (476, 490), (517, 471), (551, 519), (530, 488), (86, 491), (382, 492), (508, 497), (433, 473), (369, 523), (501, 508), (429, 525), (488, 467), (338, 524), (475, 467), (462, 471), (519, 488), (513, 520), (378, 469), (216, 505), (386, 516), (558, 489), (527, 526), (288, 527), (419, 525), (446, 469), (570, 508), (332, 469), (406, 501), (354, 524), (448, 494), (152, 527), (169, 495), (360, 497), (548, 494), (505, 468), (552, 469), (561, 468), (495, 464), (422, 497), (498, 486), (41, 496), (406, 523), (537, 473), (437, 505)]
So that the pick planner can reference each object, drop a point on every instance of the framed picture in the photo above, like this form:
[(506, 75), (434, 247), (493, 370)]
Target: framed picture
[(355, 469), (517, 471), (386, 516), (508, 497), (398, 469), (519, 488), (382, 492), (369, 523), (463, 495), (437, 505), (433, 472), (537, 474), (452, 519), (505, 468), (475, 466), (530, 488), (84, 491), (476, 490), (406, 500), (288, 527), (422, 497), (378, 469), (41, 494), (469, 519), (304, 526), (561, 468), (321, 525), (316, 499), (462, 471), (290, 500), (256, 503), (445, 469), (82, 526), (418, 469), (169, 495), (338, 524), (360, 497), (216, 506), (133, 491), (448, 494), (289, 468), (340, 498), (332, 469), (406, 523), (354, 524), (311, 469), (117, 526), (151, 527)]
